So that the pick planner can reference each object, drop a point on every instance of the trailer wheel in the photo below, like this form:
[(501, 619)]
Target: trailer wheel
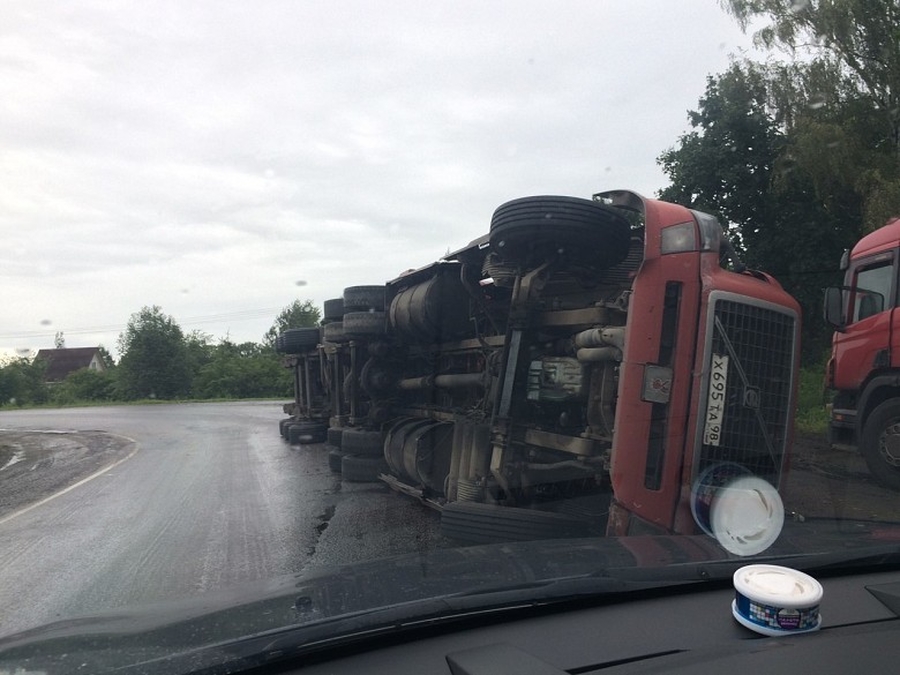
[(306, 433), (531, 228), (363, 298), (474, 523), (297, 340), (332, 310), (364, 324), (880, 445), (359, 469), (362, 442)]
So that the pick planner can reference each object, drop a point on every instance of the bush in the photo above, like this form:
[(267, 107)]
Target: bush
[(83, 386), (811, 399)]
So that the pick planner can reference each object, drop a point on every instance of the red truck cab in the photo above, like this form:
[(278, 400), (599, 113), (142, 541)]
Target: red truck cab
[(864, 368)]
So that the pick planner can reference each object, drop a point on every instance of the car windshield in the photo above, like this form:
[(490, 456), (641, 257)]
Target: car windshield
[(405, 310)]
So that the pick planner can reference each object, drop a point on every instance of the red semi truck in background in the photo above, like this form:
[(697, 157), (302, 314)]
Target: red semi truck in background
[(579, 368), (864, 368)]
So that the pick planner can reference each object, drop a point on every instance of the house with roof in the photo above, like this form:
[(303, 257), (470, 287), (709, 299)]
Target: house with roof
[(62, 362)]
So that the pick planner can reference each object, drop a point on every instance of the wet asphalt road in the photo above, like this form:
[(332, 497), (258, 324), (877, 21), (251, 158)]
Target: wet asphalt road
[(208, 497)]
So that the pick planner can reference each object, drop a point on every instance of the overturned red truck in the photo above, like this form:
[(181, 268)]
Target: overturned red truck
[(575, 370)]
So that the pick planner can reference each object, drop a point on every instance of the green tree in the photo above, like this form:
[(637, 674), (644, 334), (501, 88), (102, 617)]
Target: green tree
[(106, 357), (200, 349), (22, 382), (725, 165), (846, 78), (246, 370), (154, 359), (296, 315), (786, 214)]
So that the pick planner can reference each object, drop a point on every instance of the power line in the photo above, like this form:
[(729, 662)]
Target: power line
[(246, 314)]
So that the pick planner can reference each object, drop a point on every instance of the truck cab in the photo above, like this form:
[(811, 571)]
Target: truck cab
[(864, 367)]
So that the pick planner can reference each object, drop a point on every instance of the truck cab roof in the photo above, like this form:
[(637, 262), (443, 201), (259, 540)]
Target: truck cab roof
[(882, 239)]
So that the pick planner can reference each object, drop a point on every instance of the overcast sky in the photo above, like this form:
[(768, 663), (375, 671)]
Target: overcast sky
[(223, 158)]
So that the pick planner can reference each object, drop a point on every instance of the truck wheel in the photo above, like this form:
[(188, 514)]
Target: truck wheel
[(474, 523), (364, 324), (587, 232), (332, 310), (880, 445), (306, 433), (362, 442), (358, 469), (363, 298), (297, 340)]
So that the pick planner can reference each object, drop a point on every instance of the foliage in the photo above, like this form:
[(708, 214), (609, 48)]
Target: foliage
[(106, 357), (22, 382), (298, 314), (725, 165), (846, 74), (154, 357), (85, 385), (200, 350), (799, 158), (812, 416), (245, 370), (741, 165)]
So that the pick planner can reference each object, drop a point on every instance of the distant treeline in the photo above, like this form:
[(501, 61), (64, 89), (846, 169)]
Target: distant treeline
[(160, 361)]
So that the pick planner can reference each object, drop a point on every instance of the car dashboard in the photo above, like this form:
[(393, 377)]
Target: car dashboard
[(684, 630)]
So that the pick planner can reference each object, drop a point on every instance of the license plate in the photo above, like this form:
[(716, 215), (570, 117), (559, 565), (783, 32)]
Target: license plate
[(715, 401)]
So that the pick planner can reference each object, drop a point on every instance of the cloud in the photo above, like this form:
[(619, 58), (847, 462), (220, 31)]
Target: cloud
[(206, 156)]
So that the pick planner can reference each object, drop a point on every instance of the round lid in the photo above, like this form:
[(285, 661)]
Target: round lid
[(747, 515), (777, 586)]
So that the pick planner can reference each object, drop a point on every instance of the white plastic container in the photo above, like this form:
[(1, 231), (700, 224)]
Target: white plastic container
[(774, 600), (743, 512)]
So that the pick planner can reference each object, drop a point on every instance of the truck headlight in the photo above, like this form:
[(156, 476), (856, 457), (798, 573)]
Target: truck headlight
[(679, 238)]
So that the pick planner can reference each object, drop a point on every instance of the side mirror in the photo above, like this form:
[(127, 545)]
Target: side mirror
[(834, 308)]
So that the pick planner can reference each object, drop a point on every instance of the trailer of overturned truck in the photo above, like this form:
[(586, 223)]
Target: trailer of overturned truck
[(578, 369)]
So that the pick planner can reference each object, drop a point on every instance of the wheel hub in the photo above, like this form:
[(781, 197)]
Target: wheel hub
[(889, 444)]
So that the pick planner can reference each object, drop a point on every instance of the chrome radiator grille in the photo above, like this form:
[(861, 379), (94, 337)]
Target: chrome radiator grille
[(749, 394)]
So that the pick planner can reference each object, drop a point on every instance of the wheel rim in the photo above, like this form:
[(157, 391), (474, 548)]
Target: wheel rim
[(889, 444)]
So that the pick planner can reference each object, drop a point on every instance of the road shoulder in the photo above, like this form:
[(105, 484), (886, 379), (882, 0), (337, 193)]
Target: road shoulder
[(37, 464)]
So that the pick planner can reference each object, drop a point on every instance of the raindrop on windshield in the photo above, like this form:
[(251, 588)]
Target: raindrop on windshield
[(817, 101)]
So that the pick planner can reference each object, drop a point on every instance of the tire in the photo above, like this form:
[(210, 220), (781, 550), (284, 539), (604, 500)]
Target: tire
[(363, 299), (359, 469), (586, 232), (362, 442), (283, 424), (474, 523), (307, 433), (880, 445), (332, 310), (364, 324), (335, 457), (298, 340), (334, 436)]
